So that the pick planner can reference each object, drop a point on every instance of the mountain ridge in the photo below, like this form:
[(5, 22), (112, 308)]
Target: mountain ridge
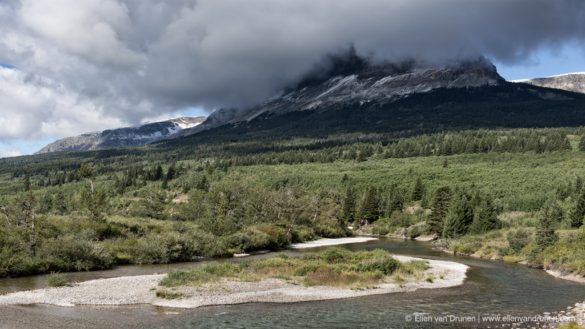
[(374, 97), (573, 81), (123, 137), (363, 83)]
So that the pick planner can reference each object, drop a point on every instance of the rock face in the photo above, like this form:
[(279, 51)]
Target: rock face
[(363, 84), (123, 137), (571, 82)]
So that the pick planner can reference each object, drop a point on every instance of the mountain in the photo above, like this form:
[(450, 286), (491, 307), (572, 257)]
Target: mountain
[(352, 95), (402, 99), (122, 137), (364, 84), (569, 81)]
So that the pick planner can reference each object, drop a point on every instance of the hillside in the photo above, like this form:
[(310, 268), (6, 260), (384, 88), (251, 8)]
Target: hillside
[(570, 81), (123, 137)]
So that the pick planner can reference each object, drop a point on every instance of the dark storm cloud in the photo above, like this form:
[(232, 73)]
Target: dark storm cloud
[(131, 59)]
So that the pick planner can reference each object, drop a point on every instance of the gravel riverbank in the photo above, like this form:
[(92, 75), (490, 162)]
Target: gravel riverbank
[(142, 290), (331, 242)]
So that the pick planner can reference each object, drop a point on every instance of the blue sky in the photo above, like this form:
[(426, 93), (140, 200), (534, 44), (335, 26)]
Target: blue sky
[(570, 58)]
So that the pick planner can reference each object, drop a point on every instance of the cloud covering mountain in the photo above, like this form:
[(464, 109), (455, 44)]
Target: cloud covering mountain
[(74, 66)]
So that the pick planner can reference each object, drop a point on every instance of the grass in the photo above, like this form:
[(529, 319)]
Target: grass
[(166, 294), (57, 280), (334, 267)]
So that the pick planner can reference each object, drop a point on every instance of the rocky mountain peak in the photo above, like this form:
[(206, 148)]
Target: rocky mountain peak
[(350, 79)]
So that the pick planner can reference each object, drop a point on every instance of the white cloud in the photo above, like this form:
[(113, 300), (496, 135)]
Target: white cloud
[(33, 107), (91, 29)]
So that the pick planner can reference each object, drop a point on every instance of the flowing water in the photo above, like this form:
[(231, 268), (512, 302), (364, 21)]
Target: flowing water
[(492, 288)]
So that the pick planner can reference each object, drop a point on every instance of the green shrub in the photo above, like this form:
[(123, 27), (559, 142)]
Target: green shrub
[(166, 294), (71, 254), (203, 274), (414, 266), (383, 264), (57, 280), (302, 233), (416, 230), (382, 226), (467, 245), (518, 239)]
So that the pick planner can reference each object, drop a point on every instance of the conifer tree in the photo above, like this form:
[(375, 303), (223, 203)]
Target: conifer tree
[(369, 209), (418, 190), (459, 218), (486, 217), (439, 210), (60, 203), (545, 234), (171, 172), (554, 212), (158, 173), (349, 205), (578, 213), (203, 184)]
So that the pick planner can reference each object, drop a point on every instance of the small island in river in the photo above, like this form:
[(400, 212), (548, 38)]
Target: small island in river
[(330, 274)]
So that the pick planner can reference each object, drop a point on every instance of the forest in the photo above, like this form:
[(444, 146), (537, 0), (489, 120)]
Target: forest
[(516, 194)]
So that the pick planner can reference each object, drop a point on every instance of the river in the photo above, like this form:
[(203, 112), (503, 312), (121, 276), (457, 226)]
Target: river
[(492, 288)]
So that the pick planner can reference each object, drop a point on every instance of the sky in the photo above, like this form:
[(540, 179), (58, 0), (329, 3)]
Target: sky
[(69, 67)]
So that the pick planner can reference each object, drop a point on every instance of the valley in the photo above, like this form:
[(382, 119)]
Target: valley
[(457, 156)]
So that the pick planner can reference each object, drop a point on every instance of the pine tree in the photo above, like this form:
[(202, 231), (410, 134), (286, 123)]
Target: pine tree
[(395, 201), (545, 234), (459, 218), (369, 209), (60, 203), (486, 218), (418, 190), (578, 213), (46, 203), (554, 212), (439, 210), (171, 172), (87, 171), (28, 212), (95, 202), (203, 184), (349, 205), (158, 173)]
